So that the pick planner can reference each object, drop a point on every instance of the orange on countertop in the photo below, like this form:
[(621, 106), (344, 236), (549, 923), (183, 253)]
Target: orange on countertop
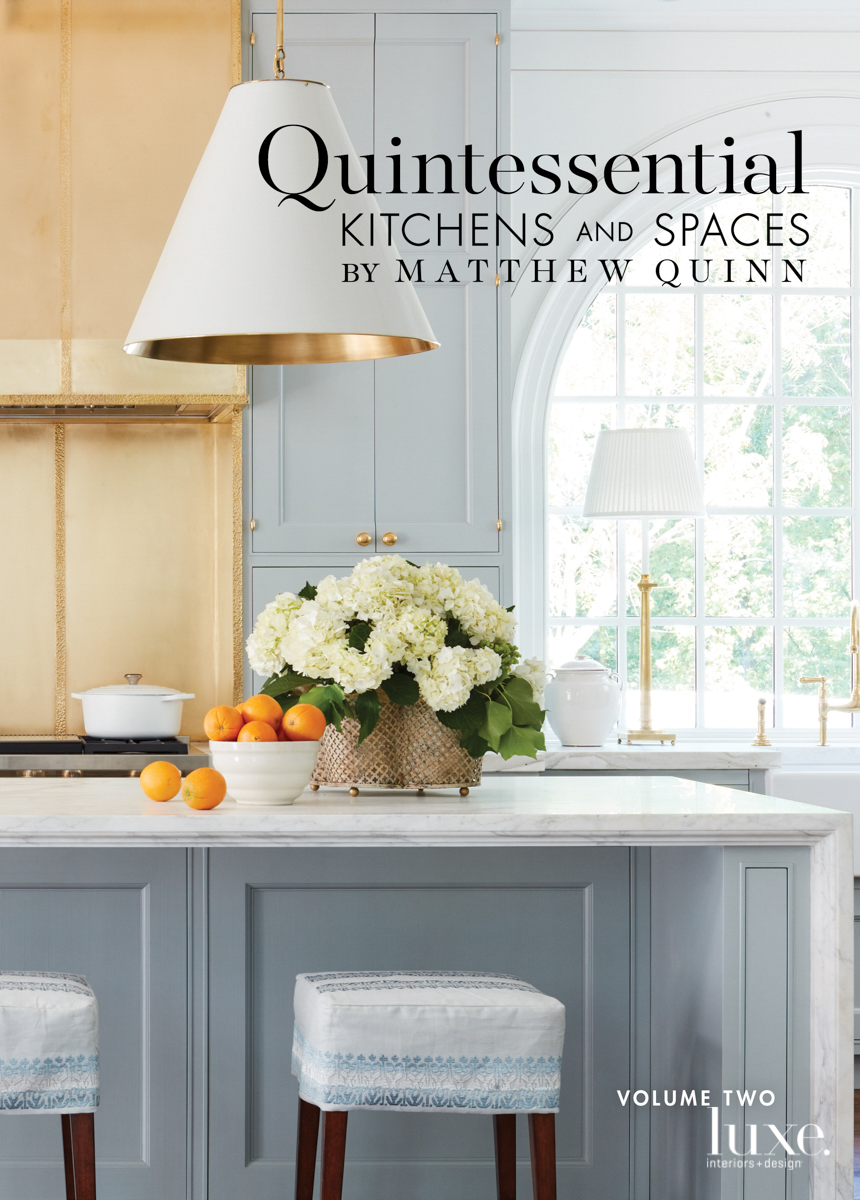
[(257, 731), (161, 780), (304, 723), (222, 723), (204, 788), (261, 708)]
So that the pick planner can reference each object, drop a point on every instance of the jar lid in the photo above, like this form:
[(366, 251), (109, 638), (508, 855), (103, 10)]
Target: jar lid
[(583, 663)]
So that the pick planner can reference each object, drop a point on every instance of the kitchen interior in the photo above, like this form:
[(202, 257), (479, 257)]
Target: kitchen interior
[(676, 866)]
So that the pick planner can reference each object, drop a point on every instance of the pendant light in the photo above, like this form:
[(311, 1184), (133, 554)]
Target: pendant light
[(255, 269)]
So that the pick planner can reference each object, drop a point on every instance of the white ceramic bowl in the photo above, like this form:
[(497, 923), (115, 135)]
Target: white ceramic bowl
[(265, 772)]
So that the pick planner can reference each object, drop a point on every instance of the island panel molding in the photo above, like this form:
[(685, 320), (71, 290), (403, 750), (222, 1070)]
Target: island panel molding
[(120, 920), (561, 920)]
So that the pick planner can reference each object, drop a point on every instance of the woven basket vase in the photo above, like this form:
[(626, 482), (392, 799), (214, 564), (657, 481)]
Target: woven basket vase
[(409, 748)]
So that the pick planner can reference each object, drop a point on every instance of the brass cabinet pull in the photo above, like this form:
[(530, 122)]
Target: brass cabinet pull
[(364, 539), (389, 539)]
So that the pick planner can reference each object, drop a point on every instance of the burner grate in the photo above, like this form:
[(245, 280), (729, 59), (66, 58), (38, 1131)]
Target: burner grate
[(165, 746)]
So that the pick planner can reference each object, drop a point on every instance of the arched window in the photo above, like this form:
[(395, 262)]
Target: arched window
[(756, 364)]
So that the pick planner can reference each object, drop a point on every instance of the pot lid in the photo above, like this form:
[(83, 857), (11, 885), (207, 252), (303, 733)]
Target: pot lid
[(133, 688), (582, 663)]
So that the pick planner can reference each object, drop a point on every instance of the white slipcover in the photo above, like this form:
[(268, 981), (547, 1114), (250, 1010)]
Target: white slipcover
[(441, 1040), (49, 1059)]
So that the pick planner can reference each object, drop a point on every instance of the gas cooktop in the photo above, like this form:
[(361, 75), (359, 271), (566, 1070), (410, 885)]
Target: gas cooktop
[(92, 745), (74, 756)]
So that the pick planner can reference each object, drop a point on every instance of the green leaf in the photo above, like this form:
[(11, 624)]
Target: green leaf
[(496, 723), (520, 696), (278, 685), (469, 717), (455, 635), (474, 745), (367, 709), (412, 564), (330, 701), (308, 592), (358, 635), (401, 688), (510, 608), (521, 740)]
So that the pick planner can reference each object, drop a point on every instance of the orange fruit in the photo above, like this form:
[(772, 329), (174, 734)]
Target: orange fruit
[(282, 737), (161, 780), (203, 788), (304, 723), (222, 723), (257, 731), (261, 708)]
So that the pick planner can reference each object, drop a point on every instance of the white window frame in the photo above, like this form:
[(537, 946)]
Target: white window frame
[(551, 330)]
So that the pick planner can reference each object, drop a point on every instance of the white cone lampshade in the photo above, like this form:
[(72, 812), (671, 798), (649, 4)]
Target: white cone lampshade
[(643, 473), (251, 273)]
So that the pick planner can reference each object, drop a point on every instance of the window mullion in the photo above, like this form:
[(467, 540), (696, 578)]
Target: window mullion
[(778, 608), (699, 545), (854, 458), (621, 542)]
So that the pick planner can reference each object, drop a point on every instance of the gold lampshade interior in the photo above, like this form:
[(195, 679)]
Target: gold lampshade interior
[(264, 349)]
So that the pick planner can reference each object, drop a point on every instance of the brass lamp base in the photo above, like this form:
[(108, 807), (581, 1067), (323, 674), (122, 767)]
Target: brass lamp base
[(647, 735)]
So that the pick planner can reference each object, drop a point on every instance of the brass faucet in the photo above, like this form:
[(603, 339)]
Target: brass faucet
[(852, 705)]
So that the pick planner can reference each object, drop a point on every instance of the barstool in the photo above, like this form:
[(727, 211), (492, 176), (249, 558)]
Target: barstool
[(426, 1041), (49, 1062)]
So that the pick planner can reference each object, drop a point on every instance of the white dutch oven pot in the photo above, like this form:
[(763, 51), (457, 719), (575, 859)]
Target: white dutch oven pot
[(583, 700), (132, 710)]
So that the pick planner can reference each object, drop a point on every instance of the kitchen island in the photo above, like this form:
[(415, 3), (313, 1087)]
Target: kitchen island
[(700, 938)]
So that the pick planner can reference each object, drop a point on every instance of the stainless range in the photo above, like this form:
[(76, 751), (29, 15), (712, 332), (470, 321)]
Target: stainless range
[(73, 757)]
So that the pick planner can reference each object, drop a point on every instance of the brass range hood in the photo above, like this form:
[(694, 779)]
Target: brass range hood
[(188, 409)]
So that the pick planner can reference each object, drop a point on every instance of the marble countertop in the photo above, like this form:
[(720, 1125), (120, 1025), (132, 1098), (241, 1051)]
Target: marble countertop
[(505, 810), (686, 756)]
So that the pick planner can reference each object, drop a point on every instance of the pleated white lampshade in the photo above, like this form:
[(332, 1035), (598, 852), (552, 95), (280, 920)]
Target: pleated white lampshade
[(643, 473), (249, 275)]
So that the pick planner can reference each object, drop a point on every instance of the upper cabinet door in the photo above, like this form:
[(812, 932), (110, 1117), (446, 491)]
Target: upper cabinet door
[(312, 427), (436, 423), (312, 458)]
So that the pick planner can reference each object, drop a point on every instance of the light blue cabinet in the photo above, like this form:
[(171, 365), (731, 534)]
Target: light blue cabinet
[(679, 968), (409, 445)]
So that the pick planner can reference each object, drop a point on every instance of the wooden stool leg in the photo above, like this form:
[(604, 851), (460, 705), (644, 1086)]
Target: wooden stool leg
[(306, 1149), (333, 1153), (505, 1136), (542, 1143), (68, 1159), (79, 1155)]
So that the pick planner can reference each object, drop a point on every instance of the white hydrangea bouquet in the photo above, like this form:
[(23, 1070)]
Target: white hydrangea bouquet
[(413, 632)]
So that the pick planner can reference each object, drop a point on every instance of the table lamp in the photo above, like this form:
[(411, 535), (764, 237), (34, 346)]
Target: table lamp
[(644, 473)]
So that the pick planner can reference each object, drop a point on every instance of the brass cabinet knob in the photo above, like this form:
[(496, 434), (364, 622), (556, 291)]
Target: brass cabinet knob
[(364, 539), (389, 539)]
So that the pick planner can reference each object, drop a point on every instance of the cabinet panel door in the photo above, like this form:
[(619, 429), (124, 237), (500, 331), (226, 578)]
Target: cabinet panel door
[(559, 918), (312, 427), (437, 430), (437, 413), (312, 457), (118, 917)]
